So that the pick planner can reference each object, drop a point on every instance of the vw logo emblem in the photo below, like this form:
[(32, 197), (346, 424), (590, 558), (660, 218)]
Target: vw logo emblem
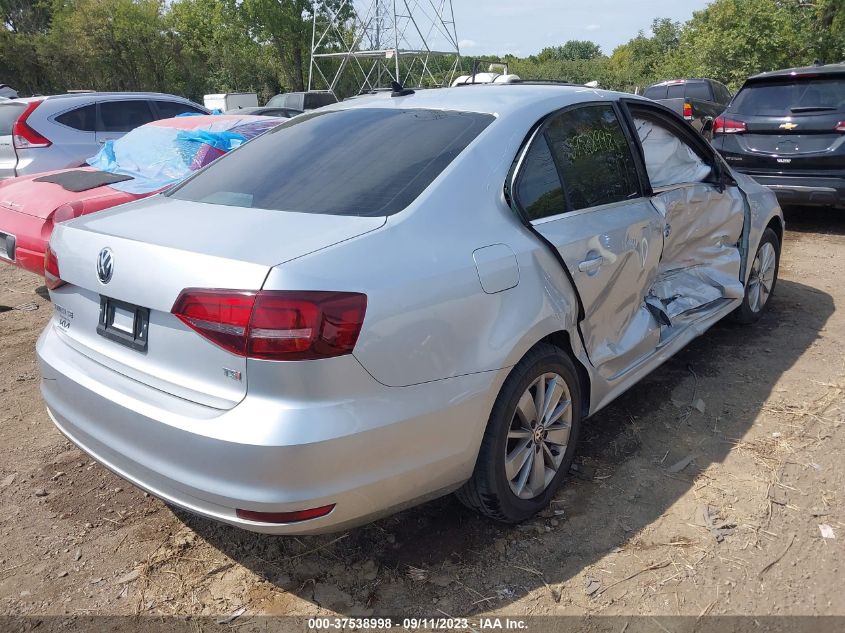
[(105, 265)]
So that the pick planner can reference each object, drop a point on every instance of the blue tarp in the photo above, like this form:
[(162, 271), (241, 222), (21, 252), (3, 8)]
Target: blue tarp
[(157, 156)]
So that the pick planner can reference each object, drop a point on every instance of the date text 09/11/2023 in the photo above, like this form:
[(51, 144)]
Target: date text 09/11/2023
[(449, 623)]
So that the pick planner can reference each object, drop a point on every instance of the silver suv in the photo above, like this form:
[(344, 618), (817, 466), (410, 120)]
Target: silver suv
[(55, 132)]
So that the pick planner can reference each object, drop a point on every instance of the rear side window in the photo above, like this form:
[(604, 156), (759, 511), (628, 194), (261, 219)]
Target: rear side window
[(655, 92), (123, 116), (83, 119), (723, 94), (363, 162), (538, 189), (9, 113), (698, 90), (170, 109), (593, 157), (784, 98), (318, 100)]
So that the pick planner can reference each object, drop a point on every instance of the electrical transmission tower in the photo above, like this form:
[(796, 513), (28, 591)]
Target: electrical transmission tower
[(359, 46)]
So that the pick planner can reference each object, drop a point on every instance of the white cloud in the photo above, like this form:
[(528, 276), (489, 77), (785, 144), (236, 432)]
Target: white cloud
[(593, 27), (468, 44)]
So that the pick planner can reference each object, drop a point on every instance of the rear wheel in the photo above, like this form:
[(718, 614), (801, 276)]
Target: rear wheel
[(530, 439), (761, 280)]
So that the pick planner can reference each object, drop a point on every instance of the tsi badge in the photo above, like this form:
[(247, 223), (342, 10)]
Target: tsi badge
[(105, 266), (234, 374)]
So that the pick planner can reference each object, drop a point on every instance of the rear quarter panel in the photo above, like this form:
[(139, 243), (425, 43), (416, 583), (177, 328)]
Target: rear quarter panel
[(428, 317)]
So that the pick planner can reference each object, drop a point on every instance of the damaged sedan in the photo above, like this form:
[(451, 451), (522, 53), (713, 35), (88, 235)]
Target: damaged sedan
[(395, 298)]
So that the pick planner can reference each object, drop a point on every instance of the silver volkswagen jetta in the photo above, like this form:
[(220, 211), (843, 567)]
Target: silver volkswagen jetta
[(394, 298)]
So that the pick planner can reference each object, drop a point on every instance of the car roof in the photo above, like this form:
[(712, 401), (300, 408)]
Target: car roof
[(826, 69), (673, 82), (195, 121), (496, 99), (102, 95)]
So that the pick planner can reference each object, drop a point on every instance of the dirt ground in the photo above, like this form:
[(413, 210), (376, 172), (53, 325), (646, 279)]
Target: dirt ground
[(706, 489)]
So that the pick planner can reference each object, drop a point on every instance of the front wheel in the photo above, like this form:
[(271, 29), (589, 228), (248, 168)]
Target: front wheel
[(529, 443), (761, 280)]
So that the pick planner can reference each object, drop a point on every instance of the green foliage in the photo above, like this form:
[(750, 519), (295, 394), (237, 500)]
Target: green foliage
[(194, 47)]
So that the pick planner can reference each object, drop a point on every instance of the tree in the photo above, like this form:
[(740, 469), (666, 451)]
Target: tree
[(571, 51), (214, 52), (26, 16), (732, 39)]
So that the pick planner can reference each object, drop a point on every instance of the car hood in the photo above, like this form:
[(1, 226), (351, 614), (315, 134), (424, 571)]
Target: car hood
[(41, 199), (258, 236)]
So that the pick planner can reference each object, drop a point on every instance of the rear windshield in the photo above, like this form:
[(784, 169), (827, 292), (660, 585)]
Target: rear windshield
[(9, 113), (364, 162), (784, 98)]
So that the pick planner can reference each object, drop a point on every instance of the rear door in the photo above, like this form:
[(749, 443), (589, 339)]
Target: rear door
[(703, 220), (9, 113), (118, 117), (792, 124), (579, 187)]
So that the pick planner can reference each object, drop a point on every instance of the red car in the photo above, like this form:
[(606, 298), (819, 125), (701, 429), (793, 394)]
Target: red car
[(145, 161)]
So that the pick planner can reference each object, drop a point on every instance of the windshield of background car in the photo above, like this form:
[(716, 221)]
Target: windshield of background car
[(784, 98), (362, 161)]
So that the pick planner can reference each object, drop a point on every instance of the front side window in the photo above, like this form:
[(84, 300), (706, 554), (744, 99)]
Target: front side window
[(669, 159), (593, 157), (360, 161), (123, 116)]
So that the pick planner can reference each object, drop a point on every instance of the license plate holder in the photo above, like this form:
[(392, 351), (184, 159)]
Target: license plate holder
[(124, 323)]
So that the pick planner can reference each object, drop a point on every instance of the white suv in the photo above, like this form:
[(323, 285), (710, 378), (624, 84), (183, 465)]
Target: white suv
[(55, 132)]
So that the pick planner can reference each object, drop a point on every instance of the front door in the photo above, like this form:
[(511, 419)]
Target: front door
[(579, 187), (703, 218)]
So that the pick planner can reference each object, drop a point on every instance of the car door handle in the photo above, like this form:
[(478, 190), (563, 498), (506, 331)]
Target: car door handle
[(591, 265)]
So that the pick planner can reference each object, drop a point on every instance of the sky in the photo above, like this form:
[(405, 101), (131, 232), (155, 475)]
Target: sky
[(524, 27)]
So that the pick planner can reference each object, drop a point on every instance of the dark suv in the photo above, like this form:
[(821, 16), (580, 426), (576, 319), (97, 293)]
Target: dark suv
[(786, 129)]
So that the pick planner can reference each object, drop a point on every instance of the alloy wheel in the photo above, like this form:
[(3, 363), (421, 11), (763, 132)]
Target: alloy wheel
[(762, 277), (538, 436)]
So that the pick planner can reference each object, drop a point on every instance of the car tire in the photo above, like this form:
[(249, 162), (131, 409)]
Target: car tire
[(497, 488), (761, 280)]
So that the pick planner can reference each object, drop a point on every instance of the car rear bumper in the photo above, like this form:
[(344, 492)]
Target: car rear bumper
[(805, 190), (29, 241), (392, 448)]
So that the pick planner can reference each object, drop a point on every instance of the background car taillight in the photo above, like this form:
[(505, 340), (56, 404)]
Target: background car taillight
[(724, 125), (23, 136), (840, 127), (52, 277), (688, 111), (275, 324)]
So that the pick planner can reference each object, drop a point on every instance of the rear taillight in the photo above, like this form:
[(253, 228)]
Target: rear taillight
[(688, 111), (840, 127), (52, 277), (723, 125), (23, 136), (275, 324)]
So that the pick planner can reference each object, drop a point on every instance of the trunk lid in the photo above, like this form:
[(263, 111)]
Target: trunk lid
[(41, 199), (161, 246)]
